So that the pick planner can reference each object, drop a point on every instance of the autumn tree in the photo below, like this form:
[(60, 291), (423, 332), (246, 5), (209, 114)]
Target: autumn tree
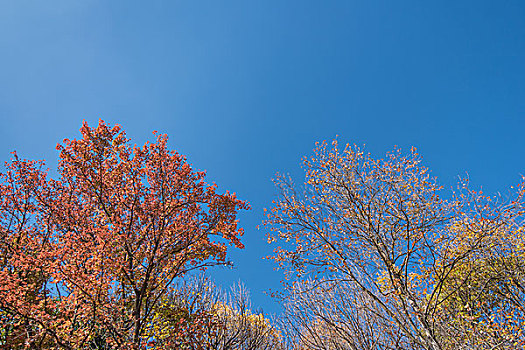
[(483, 298), (198, 315), (376, 258), (86, 257)]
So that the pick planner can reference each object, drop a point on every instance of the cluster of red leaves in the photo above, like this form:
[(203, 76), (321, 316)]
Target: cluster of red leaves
[(93, 251)]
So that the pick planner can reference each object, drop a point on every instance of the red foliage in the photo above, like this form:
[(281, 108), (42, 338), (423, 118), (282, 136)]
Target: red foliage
[(87, 256)]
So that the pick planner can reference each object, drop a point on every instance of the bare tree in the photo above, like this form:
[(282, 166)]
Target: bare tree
[(199, 315), (335, 315)]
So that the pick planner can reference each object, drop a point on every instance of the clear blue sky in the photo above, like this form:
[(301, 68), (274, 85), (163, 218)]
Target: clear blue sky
[(245, 88)]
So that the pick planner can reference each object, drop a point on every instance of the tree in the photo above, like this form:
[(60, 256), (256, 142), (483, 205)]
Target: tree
[(377, 259), (92, 252), (199, 315), (483, 302), (333, 315)]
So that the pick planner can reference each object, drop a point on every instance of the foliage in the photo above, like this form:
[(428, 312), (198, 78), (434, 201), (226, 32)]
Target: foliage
[(198, 315), (486, 289), (377, 259), (91, 253)]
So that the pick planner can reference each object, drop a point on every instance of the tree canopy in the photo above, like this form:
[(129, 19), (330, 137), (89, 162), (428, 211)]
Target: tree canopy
[(377, 258), (92, 252), (376, 255)]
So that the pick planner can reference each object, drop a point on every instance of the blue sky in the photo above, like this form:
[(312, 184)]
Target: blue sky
[(245, 88)]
